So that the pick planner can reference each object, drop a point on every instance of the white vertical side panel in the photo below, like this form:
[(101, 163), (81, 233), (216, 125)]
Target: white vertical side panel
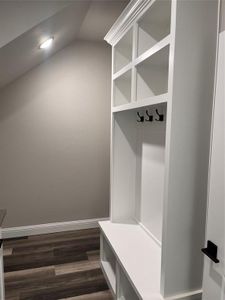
[(189, 118), (134, 71), (214, 273), (124, 166), (111, 136)]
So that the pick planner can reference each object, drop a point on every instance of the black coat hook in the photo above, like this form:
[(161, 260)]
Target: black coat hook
[(141, 118), (161, 117), (150, 117), (211, 251)]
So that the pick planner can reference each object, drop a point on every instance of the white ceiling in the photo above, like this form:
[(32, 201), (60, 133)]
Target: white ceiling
[(25, 24)]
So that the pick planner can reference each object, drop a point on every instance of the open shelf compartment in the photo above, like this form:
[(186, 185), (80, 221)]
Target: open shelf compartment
[(108, 264), (152, 75), (125, 290), (122, 89), (123, 51), (154, 25), (139, 168)]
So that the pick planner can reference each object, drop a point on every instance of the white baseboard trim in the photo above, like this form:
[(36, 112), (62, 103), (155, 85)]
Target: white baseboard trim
[(14, 232)]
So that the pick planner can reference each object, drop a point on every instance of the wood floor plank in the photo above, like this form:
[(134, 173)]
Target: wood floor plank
[(12, 241), (65, 234), (93, 255), (11, 294), (75, 245), (35, 246), (105, 295), (69, 285), (37, 260), (51, 238), (76, 267), (55, 266), (7, 251), (14, 278), (13, 297), (84, 247), (48, 281)]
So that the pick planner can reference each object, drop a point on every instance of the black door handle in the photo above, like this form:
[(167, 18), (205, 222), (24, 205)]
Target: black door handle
[(211, 251), (1, 242)]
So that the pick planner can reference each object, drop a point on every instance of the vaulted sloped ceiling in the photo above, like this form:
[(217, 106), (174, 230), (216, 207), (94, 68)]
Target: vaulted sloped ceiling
[(19, 16), (26, 24)]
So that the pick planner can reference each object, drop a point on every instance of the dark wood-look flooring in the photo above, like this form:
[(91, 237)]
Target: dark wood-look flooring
[(55, 266)]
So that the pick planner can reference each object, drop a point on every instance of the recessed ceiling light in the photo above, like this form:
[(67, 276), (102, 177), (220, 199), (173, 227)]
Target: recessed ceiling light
[(47, 43)]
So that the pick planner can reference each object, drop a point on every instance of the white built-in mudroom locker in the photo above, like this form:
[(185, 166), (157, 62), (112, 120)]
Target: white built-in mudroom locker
[(164, 55)]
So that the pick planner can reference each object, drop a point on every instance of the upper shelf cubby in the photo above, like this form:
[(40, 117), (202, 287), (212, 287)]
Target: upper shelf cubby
[(123, 51), (154, 25), (152, 75), (122, 89)]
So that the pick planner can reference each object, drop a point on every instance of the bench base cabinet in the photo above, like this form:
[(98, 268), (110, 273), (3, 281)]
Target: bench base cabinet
[(163, 58), (128, 259)]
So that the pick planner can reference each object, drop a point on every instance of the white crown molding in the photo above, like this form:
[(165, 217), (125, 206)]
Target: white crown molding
[(14, 232), (125, 20)]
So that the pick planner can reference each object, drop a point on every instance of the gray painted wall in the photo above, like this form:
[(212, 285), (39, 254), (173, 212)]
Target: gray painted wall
[(55, 131), (222, 17)]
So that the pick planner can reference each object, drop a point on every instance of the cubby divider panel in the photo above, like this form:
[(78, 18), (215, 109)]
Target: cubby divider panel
[(125, 290), (108, 262)]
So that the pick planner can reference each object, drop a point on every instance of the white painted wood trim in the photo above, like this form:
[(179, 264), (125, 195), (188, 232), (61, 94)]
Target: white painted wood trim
[(212, 121), (106, 271), (13, 232), (163, 98), (158, 242), (126, 19)]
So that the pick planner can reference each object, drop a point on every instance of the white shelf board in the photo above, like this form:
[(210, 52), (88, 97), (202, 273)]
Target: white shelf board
[(142, 103), (110, 275), (139, 256), (122, 71), (160, 45)]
